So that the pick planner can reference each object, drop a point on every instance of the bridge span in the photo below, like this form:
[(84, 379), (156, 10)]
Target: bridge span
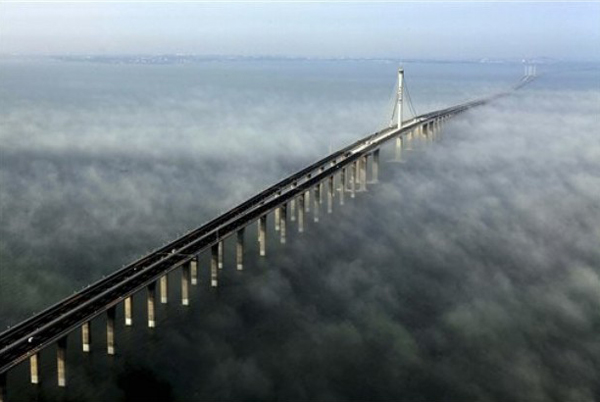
[(340, 174)]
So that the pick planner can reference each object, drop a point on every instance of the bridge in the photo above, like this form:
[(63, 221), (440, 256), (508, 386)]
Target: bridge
[(341, 174)]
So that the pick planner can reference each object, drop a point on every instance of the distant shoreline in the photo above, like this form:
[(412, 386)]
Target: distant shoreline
[(149, 59)]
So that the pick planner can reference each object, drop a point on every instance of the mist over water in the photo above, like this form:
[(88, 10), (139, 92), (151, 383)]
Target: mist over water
[(471, 272)]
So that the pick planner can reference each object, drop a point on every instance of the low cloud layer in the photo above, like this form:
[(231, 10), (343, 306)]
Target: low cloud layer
[(471, 272), (101, 163)]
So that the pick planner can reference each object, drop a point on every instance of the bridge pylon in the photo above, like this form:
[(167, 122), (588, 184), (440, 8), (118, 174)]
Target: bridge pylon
[(400, 95), (399, 98)]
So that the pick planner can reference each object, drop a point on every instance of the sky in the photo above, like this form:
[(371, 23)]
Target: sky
[(436, 30)]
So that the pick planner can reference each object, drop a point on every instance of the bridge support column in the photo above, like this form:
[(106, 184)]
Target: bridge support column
[(342, 185), (330, 193), (110, 330), (307, 197), (398, 153), (320, 185), (185, 284), (283, 222), (363, 161), (194, 270), (375, 167), (357, 174), (61, 363), (34, 368), (128, 310), (86, 336), (301, 213), (164, 288), (410, 137), (3, 387), (262, 235), (221, 247), (316, 206), (293, 206), (353, 177), (214, 265), (278, 215), (277, 218), (239, 250), (429, 132), (150, 304)]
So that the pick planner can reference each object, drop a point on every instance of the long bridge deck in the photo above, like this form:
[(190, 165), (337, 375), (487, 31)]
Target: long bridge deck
[(32, 335)]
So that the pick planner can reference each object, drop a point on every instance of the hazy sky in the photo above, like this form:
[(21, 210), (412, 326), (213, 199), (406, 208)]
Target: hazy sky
[(406, 30)]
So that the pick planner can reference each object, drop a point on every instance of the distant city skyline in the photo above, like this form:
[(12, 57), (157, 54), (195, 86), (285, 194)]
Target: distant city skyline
[(435, 30)]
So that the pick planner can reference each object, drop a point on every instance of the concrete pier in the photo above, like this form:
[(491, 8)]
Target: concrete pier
[(363, 172), (221, 249), (34, 367), (110, 330), (128, 311), (409, 139), (239, 250), (414, 139), (214, 265), (277, 218), (330, 193), (185, 284), (293, 206), (164, 288), (320, 185), (399, 146), (375, 167), (342, 185), (316, 206), (194, 270), (150, 301), (429, 132), (307, 197), (301, 213), (282, 223), (353, 177), (86, 336), (262, 235), (357, 174), (61, 361)]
